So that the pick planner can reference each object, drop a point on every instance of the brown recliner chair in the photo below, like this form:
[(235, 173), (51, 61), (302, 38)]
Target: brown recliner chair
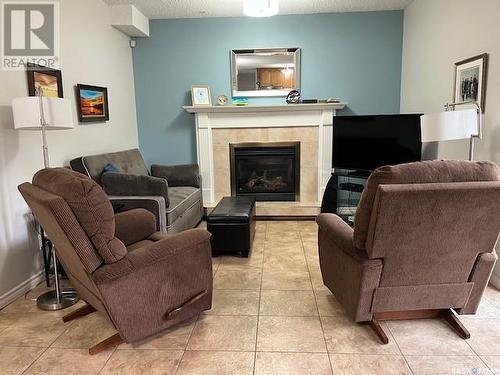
[(141, 280), (422, 245)]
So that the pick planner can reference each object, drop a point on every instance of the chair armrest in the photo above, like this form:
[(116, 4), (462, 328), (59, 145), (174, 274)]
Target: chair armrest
[(134, 225), (341, 234), (159, 254), (131, 184), (154, 204), (178, 175)]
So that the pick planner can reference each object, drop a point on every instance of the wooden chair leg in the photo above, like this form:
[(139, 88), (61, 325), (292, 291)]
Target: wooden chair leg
[(110, 342), (456, 324), (78, 313), (379, 331)]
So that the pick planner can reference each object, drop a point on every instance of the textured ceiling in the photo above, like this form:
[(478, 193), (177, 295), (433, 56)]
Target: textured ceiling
[(234, 8)]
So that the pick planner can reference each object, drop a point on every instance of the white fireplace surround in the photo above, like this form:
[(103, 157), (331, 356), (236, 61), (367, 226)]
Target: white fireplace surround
[(208, 118)]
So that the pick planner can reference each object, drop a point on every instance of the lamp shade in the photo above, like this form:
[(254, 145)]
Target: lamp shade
[(56, 113), (450, 125)]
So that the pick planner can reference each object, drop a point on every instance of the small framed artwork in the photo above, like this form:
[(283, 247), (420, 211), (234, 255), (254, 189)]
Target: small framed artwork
[(44, 80), (200, 95), (470, 80), (92, 103)]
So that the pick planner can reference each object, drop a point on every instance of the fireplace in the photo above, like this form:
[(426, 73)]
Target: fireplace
[(266, 171)]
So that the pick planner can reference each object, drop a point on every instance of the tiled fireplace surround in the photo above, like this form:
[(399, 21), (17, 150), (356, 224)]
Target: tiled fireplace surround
[(309, 124)]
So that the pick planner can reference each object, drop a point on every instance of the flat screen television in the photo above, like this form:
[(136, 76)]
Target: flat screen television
[(368, 142)]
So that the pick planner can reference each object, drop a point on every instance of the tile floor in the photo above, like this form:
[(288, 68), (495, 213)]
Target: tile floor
[(271, 315)]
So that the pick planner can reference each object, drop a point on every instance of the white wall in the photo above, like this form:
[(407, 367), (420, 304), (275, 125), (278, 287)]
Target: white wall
[(92, 52), (438, 33)]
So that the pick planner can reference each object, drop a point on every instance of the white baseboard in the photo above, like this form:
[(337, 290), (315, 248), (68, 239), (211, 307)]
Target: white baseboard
[(21, 289)]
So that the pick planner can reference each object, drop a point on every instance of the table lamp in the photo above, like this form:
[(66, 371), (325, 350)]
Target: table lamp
[(41, 114)]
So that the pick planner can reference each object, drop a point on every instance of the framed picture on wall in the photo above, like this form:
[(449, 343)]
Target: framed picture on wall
[(45, 80), (200, 95), (470, 80), (92, 103)]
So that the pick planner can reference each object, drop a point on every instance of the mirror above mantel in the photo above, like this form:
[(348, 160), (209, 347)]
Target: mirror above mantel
[(265, 71)]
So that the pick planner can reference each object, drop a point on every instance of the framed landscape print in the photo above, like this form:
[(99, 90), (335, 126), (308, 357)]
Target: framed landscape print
[(46, 80), (200, 95), (92, 103), (470, 80)]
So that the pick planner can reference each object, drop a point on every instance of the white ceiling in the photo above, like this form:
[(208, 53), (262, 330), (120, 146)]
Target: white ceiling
[(234, 8)]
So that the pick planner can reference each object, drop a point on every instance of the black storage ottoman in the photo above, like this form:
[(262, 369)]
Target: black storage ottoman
[(232, 225)]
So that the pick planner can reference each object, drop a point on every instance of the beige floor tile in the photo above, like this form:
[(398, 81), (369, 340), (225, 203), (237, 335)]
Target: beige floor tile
[(317, 279), (356, 364), (327, 304), (310, 237), (445, 365), (286, 280), (68, 361), (238, 279), (31, 329), (85, 332), (213, 332), (275, 247), (492, 294), (428, 337), (289, 303), (228, 262), (14, 361), (285, 262), (484, 335), (234, 302), (344, 336), (486, 310), (220, 363), (141, 362), (292, 364), (493, 362), (290, 334), (174, 338)]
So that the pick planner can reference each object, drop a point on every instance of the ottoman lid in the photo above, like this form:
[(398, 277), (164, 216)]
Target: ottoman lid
[(232, 210)]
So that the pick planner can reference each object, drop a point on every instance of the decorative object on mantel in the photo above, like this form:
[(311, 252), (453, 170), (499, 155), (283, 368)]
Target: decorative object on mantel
[(470, 80), (48, 80), (293, 97), (222, 100), (240, 101), (452, 124), (200, 95), (92, 103)]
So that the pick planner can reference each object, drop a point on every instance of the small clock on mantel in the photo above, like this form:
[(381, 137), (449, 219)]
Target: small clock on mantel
[(200, 96)]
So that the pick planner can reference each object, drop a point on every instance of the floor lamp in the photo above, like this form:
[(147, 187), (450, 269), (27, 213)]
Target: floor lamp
[(42, 114), (453, 124)]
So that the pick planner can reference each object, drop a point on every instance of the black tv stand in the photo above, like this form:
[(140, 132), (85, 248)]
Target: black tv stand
[(343, 192)]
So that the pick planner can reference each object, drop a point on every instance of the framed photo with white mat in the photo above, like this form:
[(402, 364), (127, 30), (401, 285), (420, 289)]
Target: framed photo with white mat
[(200, 95), (470, 80)]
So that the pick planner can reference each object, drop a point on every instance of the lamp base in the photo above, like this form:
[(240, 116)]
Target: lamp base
[(49, 301)]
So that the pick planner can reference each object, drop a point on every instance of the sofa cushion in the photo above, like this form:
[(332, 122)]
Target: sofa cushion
[(181, 198), (432, 171), (129, 162), (90, 205)]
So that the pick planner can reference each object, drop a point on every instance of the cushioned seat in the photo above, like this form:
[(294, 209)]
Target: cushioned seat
[(181, 199)]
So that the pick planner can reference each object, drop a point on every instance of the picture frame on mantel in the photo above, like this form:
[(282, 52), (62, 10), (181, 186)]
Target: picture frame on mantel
[(470, 80), (200, 96)]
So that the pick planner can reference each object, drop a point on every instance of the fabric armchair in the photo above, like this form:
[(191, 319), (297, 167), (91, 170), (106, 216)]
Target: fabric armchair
[(141, 280), (172, 193), (422, 245)]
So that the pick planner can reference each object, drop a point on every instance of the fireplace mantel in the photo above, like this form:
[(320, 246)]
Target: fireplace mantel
[(316, 117)]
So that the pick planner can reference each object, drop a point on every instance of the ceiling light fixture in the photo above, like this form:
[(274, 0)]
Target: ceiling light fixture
[(260, 8)]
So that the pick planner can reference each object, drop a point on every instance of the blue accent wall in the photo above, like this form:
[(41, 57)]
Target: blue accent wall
[(353, 56)]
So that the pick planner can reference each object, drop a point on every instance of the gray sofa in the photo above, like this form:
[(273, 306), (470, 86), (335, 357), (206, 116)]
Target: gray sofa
[(171, 193)]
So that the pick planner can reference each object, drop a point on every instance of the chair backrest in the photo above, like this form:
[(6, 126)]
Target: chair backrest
[(435, 171), (431, 234), (128, 161), (78, 218)]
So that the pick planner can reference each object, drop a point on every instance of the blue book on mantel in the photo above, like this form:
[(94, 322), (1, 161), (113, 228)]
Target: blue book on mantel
[(240, 100)]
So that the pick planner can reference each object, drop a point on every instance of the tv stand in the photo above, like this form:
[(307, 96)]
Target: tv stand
[(343, 192)]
